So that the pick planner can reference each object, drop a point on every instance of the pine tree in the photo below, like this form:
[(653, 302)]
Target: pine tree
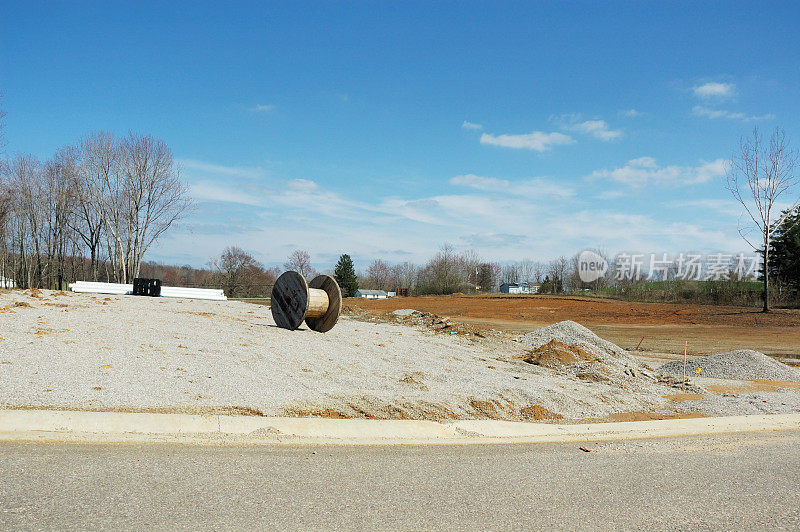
[(785, 252), (345, 275)]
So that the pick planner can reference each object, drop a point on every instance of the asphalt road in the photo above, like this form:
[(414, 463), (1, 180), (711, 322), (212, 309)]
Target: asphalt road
[(744, 481)]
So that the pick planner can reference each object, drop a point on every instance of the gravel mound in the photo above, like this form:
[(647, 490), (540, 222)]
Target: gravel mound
[(743, 364), (571, 333), (580, 351)]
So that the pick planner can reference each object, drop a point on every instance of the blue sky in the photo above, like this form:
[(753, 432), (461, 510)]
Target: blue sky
[(386, 129)]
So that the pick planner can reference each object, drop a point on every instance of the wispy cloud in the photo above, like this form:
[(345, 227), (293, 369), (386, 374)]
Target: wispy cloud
[(610, 194), (706, 112), (714, 90), (479, 182), (215, 192), (262, 108), (503, 219), (303, 185), (471, 126), (725, 206), (250, 172), (631, 113), (536, 141), (645, 170), (596, 127)]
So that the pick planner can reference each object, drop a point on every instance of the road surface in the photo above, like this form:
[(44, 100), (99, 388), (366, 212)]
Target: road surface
[(734, 481)]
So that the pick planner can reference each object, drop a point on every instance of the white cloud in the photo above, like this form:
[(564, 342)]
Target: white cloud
[(250, 172), (214, 192), (643, 162), (536, 141), (706, 112), (644, 170), (479, 182), (471, 126), (264, 108), (610, 194), (631, 113), (725, 206), (487, 215), (303, 185), (597, 128), (713, 90), (542, 188)]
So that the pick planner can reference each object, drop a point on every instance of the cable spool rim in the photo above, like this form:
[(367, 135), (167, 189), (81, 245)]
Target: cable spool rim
[(289, 300), (331, 287)]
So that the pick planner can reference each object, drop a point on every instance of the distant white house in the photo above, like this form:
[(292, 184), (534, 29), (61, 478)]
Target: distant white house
[(519, 288), (371, 294), (5, 282)]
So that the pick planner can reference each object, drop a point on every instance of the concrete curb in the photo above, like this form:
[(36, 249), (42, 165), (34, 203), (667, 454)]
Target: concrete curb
[(109, 427)]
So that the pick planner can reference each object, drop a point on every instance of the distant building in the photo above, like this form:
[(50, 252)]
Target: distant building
[(371, 294), (519, 288)]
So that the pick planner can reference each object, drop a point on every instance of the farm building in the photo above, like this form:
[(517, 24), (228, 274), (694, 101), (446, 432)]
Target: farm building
[(519, 288), (371, 294)]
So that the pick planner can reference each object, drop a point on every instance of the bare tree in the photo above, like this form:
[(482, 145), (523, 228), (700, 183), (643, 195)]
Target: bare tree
[(406, 275), (135, 185), (488, 276), (57, 196), (758, 177), (2, 125), (558, 273), (237, 271), (156, 195), (87, 219), (526, 270), (379, 276), (511, 273), (25, 182), (300, 261)]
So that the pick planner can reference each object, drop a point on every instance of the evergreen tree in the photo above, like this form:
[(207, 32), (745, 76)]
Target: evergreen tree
[(345, 275), (785, 252)]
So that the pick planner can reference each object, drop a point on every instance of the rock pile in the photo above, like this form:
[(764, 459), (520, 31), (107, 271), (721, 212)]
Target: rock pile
[(436, 323), (743, 364), (570, 347)]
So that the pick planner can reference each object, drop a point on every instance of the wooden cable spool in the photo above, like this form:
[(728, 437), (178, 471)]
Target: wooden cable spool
[(294, 300)]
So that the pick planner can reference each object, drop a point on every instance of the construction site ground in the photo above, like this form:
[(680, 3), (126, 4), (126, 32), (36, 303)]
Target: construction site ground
[(68, 351), (664, 326)]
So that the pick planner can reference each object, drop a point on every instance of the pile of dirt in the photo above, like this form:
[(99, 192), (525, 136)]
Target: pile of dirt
[(743, 364), (570, 347), (555, 354), (434, 322)]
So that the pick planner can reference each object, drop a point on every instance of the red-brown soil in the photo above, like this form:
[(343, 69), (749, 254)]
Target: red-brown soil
[(664, 326)]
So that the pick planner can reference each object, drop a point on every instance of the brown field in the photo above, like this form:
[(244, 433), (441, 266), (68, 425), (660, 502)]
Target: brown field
[(664, 326)]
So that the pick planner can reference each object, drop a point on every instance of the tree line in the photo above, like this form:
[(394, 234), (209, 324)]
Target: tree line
[(90, 212)]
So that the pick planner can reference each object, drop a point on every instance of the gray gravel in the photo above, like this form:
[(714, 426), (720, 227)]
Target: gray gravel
[(614, 362), (572, 333), (740, 364), (80, 351), (136, 353)]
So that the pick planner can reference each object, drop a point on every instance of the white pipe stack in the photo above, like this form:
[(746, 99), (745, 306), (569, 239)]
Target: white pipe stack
[(166, 291)]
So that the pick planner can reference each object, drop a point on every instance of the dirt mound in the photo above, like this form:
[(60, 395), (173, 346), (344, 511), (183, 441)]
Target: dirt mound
[(555, 354), (742, 364), (571, 333), (434, 322), (569, 346)]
